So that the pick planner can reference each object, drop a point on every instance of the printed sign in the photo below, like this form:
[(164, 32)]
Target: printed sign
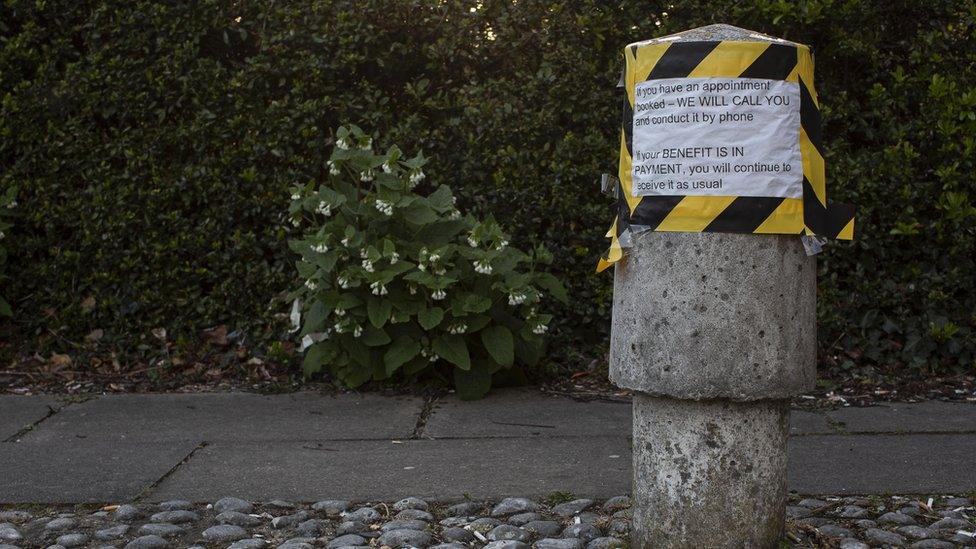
[(717, 137)]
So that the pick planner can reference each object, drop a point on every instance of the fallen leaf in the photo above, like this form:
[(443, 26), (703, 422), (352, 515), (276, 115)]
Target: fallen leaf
[(58, 361), (159, 333), (95, 335), (216, 336), (88, 304)]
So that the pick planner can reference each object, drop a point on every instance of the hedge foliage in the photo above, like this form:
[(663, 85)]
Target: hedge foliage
[(154, 145)]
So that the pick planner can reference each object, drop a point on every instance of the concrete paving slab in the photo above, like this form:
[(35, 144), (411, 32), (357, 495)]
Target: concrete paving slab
[(903, 417), (84, 471), (18, 412), (527, 413), (235, 416), (491, 468), (883, 464), (809, 423), (438, 470)]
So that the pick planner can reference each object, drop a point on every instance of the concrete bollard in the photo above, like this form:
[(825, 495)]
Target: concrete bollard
[(714, 332)]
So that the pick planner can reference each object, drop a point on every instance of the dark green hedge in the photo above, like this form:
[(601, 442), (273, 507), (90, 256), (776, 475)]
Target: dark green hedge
[(154, 144)]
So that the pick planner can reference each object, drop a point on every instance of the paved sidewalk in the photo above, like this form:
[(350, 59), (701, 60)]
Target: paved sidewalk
[(305, 447)]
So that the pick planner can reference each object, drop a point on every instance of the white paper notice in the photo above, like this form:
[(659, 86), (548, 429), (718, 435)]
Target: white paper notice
[(717, 137)]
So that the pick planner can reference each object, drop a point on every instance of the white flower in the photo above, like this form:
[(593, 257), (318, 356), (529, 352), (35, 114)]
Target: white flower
[(311, 285), (378, 288), (357, 331), (368, 145), (413, 290), (320, 248), (342, 143), (12, 205), (338, 326), (454, 200), (387, 168), (482, 267), (296, 315), (394, 257), (472, 242), (421, 266), (343, 282), (456, 214), (324, 208), (340, 312), (345, 241), (366, 176), (439, 271), (438, 295), (516, 299), (362, 253), (416, 177), (431, 355), (540, 329), (384, 207), (434, 257), (502, 244), (2, 236), (296, 196), (458, 328), (333, 169), (368, 266), (296, 221)]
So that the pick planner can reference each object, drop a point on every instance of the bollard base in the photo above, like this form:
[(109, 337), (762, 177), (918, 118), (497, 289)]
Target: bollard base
[(709, 473)]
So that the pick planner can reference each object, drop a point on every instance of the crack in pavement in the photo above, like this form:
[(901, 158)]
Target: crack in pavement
[(51, 411), (146, 492)]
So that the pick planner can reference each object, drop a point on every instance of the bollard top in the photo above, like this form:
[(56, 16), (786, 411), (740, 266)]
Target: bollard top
[(718, 31)]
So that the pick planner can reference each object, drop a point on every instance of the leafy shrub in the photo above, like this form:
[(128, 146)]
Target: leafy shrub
[(397, 282), (8, 201)]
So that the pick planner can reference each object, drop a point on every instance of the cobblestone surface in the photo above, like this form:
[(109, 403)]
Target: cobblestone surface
[(556, 522)]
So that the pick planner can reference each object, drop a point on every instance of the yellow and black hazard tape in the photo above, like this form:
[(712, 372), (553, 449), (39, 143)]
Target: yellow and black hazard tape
[(811, 215)]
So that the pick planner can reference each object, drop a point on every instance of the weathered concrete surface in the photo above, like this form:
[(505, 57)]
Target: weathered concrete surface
[(702, 467), (436, 470), (903, 417), (235, 416), (715, 315), (84, 470), (19, 412), (526, 413), (883, 464)]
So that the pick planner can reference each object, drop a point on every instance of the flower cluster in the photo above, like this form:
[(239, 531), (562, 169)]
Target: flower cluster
[(482, 267), (384, 207)]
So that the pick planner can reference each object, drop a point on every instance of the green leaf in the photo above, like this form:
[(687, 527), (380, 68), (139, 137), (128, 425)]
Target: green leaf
[(317, 356), (430, 318), (453, 349), (477, 304), (441, 199), (5, 308), (403, 349), (379, 311), (442, 232), (419, 214), (552, 285), (315, 318), (358, 352), (499, 343), (374, 337), (472, 384), (528, 351)]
